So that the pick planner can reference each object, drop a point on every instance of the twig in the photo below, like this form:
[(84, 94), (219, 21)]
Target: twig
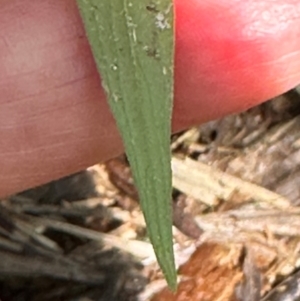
[(137, 248), (207, 184), (16, 265)]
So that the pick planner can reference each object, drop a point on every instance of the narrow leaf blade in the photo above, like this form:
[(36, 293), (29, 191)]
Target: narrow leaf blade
[(133, 45)]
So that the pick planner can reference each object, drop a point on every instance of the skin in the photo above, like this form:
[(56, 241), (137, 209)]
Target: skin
[(54, 120)]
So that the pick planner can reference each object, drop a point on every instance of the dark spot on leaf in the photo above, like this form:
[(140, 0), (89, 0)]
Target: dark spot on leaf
[(152, 52), (152, 8)]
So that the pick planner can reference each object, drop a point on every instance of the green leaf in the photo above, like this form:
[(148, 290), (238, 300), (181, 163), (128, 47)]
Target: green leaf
[(133, 45)]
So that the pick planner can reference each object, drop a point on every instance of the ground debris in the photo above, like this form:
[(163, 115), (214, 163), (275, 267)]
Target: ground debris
[(60, 251), (211, 273), (239, 176)]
